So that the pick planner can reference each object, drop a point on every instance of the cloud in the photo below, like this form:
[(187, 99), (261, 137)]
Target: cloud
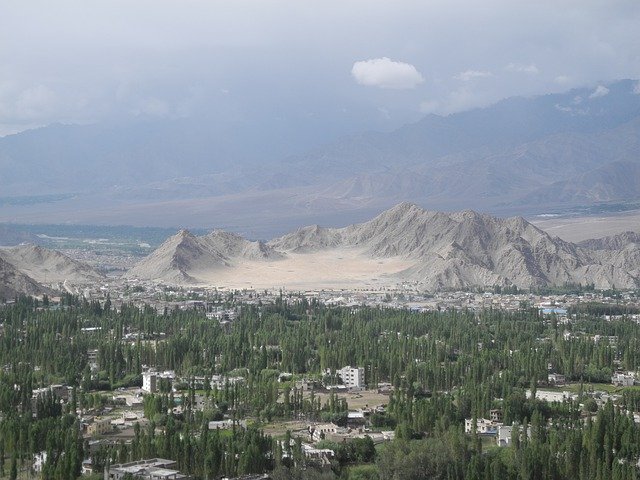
[(386, 73), (600, 91), (471, 74), (530, 69), (636, 88)]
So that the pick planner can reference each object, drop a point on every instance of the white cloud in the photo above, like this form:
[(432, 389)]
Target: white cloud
[(471, 74), (636, 88), (530, 69), (600, 91), (562, 108), (386, 73)]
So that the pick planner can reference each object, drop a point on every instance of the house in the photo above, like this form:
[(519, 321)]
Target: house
[(151, 469), (357, 417), (495, 415), (556, 379), (623, 379), (503, 438), (99, 426), (320, 431), (39, 459), (483, 426), (227, 424), (87, 466)]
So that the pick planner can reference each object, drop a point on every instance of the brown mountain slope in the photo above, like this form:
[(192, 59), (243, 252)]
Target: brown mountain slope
[(13, 282), (49, 266), (433, 250), (182, 257)]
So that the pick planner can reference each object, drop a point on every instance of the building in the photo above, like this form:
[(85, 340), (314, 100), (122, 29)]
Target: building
[(505, 434), (503, 439), (495, 415), (623, 379), (151, 379), (319, 432), (99, 426), (556, 379), (152, 469), (352, 377), (226, 424), (483, 426)]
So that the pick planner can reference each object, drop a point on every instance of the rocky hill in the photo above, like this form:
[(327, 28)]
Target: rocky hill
[(181, 257), (13, 282), (443, 250), (47, 266)]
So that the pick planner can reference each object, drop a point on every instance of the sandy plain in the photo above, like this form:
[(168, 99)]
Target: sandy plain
[(334, 269)]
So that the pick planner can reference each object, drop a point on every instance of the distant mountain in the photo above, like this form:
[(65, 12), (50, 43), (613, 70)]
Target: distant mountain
[(567, 149), (439, 251), (47, 266)]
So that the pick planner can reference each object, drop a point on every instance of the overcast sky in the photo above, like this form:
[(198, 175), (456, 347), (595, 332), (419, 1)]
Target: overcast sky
[(342, 65)]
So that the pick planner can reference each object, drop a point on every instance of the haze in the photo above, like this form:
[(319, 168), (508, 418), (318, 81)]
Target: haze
[(319, 69)]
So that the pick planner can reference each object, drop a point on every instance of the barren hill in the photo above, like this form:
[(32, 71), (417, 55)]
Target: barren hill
[(13, 282), (182, 257), (406, 243), (49, 266)]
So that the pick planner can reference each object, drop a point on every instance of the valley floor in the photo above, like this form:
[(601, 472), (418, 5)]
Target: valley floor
[(576, 229), (331, 269)]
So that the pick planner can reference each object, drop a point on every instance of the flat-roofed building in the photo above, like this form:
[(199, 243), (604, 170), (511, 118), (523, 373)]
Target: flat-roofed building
[(151, 469), (352, 377)]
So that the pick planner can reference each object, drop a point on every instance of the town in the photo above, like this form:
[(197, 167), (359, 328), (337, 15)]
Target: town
[(325, 400)]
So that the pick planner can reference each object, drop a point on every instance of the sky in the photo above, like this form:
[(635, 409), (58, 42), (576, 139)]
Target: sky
[(337, 66)]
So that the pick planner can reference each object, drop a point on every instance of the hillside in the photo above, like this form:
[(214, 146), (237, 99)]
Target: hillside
[(49, 266), (14, 283), (406, 243), (183, 256)]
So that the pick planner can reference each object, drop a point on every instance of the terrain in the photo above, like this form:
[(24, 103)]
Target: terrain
[(520, 156), (405, 244), (32, 270)]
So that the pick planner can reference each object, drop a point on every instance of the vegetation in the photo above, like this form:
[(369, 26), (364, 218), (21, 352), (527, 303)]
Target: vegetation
[(444, 367)]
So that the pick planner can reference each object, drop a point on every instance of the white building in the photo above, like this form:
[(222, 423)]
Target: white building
[(150, 379), (623, 379), (556, 379), (483, 426), (352, 377), (504, 435), (318, 432)]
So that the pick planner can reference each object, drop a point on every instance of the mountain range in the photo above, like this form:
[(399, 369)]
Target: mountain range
[(405, 244), (520, 155)]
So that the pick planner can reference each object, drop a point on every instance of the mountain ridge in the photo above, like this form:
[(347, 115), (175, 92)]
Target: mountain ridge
[(557, 150), (438, 250)]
